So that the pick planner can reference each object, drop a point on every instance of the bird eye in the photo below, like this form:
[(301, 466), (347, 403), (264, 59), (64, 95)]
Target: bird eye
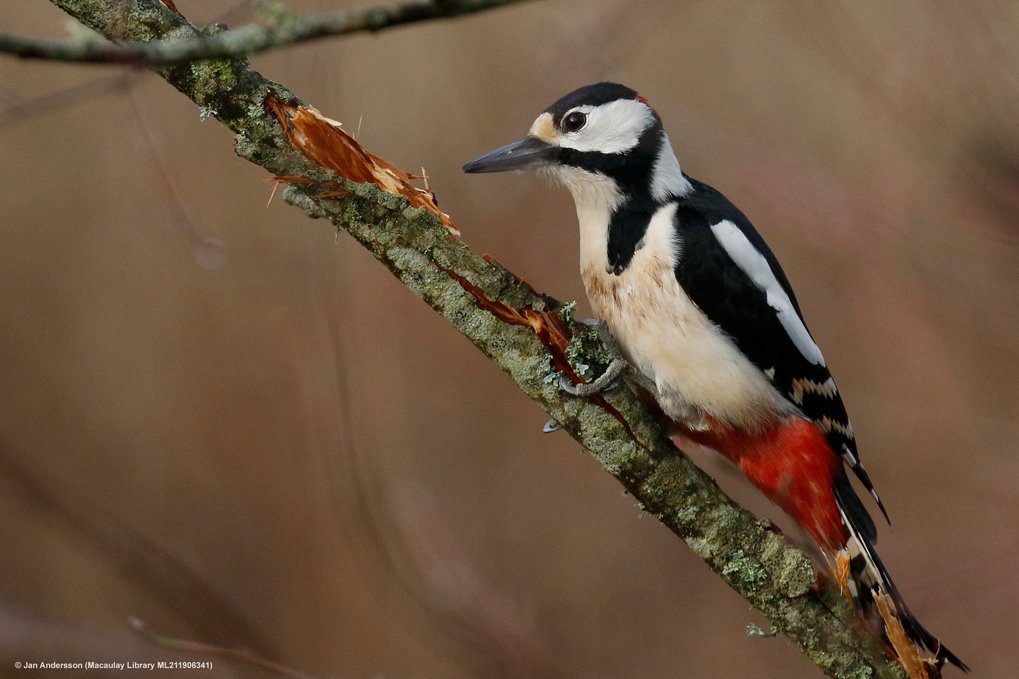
[(574, 121)]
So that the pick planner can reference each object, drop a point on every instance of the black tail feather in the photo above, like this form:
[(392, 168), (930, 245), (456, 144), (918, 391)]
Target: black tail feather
[(869, 575), (852, 507)]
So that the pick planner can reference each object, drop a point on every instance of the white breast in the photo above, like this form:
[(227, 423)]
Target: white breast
[(664, 334)]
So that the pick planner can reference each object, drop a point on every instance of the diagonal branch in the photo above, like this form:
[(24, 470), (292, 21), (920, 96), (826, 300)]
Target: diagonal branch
[(284, 29), (523, 332)]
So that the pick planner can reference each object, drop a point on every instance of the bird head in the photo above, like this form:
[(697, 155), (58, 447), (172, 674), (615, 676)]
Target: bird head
[(600, 140)]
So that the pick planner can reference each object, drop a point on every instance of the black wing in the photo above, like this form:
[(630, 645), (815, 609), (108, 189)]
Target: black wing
[(732, 300)]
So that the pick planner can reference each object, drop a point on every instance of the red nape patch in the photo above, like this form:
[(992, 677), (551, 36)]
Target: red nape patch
[(644, 101), (794, 467)]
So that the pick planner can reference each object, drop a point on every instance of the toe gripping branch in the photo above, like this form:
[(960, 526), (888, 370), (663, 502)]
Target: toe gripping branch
[(554, 332), (616, 364), (603, 382)]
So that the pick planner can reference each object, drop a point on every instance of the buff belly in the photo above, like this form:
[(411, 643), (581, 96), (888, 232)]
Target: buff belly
[(696, 369)]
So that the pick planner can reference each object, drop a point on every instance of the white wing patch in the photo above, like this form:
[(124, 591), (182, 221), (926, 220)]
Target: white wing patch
[(756, 267), (614, 127)]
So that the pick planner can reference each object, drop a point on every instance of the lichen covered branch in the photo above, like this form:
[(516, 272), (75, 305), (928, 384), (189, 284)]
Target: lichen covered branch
[(527, 335), (283, 28)]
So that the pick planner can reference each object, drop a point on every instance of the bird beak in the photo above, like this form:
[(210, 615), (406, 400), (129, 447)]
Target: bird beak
[(512, 156)]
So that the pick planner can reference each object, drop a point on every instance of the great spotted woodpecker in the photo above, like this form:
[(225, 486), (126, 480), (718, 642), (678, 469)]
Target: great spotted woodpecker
[(704, 315)]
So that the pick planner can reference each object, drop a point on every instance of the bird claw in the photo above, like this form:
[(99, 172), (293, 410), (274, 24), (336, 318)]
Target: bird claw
[(616, 368), (605, 381)]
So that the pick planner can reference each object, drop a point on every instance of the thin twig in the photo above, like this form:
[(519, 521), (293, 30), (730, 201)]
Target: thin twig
[(140, 561), (288, 29), (199, 648), (25, 109), (21, 109), (208, 251)]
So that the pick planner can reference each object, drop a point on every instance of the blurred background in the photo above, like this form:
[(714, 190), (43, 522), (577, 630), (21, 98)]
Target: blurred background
[(222, 419)]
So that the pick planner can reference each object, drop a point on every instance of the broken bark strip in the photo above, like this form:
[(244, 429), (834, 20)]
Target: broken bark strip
[(416, 247), (323, 142)]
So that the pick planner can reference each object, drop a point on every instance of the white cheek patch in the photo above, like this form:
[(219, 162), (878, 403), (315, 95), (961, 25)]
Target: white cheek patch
[(756, 267), (614, 127)]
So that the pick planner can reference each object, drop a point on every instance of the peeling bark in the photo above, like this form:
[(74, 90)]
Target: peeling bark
[(524, 334)]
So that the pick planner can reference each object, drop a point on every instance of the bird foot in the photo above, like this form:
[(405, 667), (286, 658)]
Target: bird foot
[(618, 365), (604, 382)]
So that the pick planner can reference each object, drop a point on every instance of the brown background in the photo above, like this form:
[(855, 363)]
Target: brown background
[(217, 417)]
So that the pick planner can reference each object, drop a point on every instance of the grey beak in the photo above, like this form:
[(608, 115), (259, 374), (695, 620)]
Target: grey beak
[(517, 154)]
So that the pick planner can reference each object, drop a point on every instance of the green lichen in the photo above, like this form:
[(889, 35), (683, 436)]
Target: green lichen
[(747, 573), (795, 574), (754, 630), (585, 352)]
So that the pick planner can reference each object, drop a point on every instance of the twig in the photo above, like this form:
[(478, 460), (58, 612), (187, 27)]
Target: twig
[(141, 562), (199, 648), (24, 109), (287, 29), (209, 252)]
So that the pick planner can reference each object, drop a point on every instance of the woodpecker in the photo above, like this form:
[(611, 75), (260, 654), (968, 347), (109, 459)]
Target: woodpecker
[(707, 321)]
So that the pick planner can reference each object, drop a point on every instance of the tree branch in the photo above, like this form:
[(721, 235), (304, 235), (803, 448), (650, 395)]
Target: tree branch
[(284, 29), (520, 331)]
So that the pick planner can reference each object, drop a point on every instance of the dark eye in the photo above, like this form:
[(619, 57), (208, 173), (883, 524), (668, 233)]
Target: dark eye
[(574, 121)]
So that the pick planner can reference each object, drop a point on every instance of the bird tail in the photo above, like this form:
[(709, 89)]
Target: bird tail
[(874, 593)]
